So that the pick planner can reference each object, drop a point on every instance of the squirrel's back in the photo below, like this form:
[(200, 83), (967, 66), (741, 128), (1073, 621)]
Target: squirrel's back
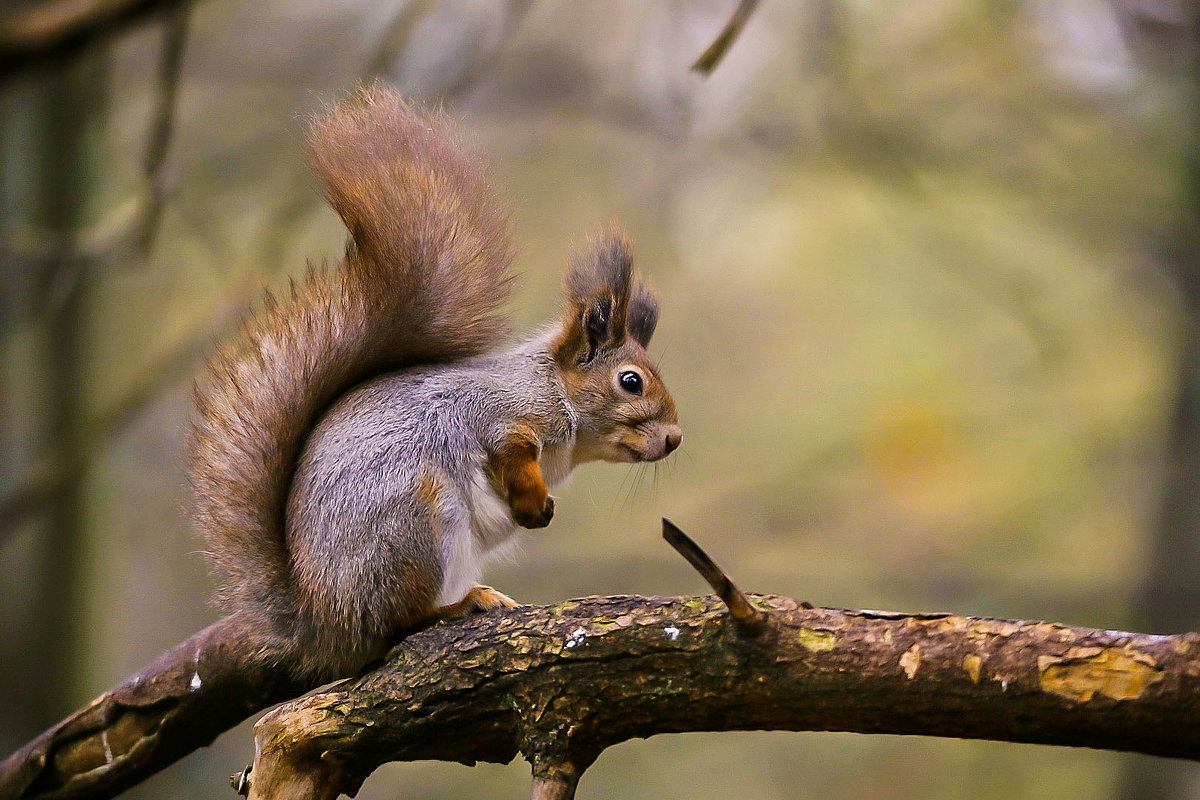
[(426, 268)]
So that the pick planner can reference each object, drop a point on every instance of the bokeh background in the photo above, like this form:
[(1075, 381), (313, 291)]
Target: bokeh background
[(928, 272)]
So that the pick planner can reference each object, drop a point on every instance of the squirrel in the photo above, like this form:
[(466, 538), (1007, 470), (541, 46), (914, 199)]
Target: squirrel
[(366, 442)]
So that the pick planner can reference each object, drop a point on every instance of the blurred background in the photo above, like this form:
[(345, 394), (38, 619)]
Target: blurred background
[(929, 280)]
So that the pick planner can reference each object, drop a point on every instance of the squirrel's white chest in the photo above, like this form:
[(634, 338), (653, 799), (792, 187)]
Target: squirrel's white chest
[(557, 461), (485, 531), (488, 531)]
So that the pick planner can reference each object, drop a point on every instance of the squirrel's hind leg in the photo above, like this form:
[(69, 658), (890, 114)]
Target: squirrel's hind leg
[(477, 599)]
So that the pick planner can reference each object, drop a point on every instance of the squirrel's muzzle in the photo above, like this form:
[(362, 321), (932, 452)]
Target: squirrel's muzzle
[(660, 442), (673, 437)]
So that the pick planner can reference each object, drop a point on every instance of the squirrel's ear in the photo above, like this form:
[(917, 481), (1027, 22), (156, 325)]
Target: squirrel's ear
[(597, 326), (597, 289), (643, 313)]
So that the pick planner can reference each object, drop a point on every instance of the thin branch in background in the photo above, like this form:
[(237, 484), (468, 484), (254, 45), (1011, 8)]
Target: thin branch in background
[(716, 51), (30, 499), (47, 483), (399, 32), (33, 31), (170, 68), (394, 37)]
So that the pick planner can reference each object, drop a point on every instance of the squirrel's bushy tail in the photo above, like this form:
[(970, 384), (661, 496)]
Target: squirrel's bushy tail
[(425, 270)]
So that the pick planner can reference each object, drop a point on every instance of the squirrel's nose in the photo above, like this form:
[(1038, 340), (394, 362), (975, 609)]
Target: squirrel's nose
[(674, 437)]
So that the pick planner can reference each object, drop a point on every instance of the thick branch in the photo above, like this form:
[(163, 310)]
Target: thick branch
[(559, 684), (180, 702)]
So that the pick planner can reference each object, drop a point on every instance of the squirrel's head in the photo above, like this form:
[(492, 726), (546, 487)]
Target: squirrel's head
[(625, 410)]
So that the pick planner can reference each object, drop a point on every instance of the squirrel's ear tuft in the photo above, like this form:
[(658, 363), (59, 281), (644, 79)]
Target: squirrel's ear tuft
[(597, 326), (602, 269), (597, 295), (643, 313)]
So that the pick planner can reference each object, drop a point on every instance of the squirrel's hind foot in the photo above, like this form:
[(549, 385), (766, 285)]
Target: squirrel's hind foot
[(479, 598)]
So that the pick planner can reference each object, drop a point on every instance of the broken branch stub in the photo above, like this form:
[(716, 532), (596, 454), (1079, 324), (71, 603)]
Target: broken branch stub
[(750, 621)]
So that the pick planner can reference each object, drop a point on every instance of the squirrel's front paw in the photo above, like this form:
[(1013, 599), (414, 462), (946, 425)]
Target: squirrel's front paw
[(530, 517)]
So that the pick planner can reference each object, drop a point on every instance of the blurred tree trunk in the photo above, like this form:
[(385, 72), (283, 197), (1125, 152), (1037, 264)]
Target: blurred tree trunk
[(53, 168), (1165, 35)]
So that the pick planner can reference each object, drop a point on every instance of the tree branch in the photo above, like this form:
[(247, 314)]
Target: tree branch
[(716, 51), (44, 28), (178, 703), (561, 683)]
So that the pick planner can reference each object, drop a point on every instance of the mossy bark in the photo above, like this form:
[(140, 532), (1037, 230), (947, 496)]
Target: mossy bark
[(559, 684)]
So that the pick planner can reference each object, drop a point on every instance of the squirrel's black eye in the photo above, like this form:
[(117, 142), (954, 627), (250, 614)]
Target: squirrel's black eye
[(630, 381)]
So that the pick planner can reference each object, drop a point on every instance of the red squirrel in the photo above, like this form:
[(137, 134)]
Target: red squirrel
[(367, 442)]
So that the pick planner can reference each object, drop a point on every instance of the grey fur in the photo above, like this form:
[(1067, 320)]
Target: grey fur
[(356, 526)]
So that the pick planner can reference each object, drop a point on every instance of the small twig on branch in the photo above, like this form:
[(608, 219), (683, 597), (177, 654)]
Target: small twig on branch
[(749, 620)]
